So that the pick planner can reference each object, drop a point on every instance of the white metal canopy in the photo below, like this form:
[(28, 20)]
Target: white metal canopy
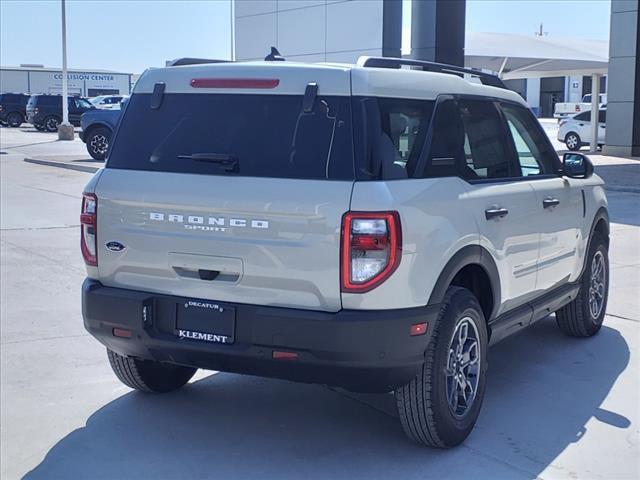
[(522, 56)]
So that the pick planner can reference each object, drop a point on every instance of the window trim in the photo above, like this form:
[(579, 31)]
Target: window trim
[(425, 151)]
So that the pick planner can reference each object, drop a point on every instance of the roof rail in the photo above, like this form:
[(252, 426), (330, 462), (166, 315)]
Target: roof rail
[(192, 61), (390, 62)]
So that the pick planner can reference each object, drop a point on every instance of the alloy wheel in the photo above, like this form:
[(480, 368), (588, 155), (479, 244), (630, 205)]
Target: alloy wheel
[(52, 124), (597, 285), (99, 144), (463, 367)]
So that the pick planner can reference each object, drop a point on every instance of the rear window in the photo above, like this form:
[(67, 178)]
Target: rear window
[(237, 134), (46, 100)]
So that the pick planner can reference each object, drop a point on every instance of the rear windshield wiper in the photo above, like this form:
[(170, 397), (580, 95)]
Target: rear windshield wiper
[(228, 162)]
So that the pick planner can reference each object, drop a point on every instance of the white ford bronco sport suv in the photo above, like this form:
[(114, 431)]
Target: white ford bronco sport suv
[(372, 226)]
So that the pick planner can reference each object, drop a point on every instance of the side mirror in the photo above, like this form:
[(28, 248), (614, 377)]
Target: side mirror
[(576, 165)]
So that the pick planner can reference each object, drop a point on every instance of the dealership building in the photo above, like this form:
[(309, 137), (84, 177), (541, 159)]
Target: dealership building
[(544, 70), (34, 79)]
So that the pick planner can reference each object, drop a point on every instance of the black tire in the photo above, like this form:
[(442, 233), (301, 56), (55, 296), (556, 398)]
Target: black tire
[(573, 141), (147, 375), (578, 318), (423, 406), (51, 123), (14, 119), (38, 127), (98, 142)]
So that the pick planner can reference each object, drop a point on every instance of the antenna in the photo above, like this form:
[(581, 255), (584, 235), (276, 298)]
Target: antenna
[(274, 56), (540, 32)]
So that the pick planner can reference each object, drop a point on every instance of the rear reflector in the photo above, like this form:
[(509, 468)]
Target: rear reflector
[(279, 355), (122, 333), (418, 329), (235, 82)]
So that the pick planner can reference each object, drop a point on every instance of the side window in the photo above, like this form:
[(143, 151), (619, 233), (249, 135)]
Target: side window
[(602, 116), (583, 117), (405, 123), (531, 145), (485, 152)]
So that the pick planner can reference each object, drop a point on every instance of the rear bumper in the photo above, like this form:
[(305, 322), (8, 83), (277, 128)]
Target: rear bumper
[(360, 350), (34, 119)]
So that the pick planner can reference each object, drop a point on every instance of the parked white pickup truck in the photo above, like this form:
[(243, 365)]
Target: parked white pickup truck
[(565, 109)]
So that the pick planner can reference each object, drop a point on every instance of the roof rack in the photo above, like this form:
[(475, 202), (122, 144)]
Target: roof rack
[(193, 61), (390, 62)]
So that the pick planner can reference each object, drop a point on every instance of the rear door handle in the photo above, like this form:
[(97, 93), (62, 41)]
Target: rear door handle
[(495, 212), (550, 202)]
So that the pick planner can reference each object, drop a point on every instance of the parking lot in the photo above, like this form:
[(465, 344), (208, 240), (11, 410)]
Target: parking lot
[(556, 407)]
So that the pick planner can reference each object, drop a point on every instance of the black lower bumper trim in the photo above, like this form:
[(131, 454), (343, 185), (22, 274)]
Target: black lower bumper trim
[(360, 350)]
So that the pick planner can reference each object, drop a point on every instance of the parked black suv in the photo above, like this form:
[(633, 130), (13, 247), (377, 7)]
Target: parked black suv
[(45, 111), (12, 109)]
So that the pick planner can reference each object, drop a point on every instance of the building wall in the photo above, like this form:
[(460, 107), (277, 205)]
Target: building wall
[(309, 30), (50, 81), (623, 98)]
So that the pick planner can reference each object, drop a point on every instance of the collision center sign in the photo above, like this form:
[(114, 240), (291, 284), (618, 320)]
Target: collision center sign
[(85, 76)]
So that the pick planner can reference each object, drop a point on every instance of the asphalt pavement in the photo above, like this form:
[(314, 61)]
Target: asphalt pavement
[(556, 407)]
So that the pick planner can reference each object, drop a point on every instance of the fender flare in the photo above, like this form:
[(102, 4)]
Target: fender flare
[(469, 255), (95, 125), (601, 214)]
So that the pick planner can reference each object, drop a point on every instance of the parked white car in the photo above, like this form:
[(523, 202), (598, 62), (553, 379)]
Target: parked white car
[(566, 109), (108, 102), (575, 132)]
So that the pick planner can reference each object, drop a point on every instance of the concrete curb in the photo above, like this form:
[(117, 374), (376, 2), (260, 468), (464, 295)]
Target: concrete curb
[(79, 168)]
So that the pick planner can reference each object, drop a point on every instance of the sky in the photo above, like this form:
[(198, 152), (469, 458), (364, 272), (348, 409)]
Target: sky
[(129, 36)]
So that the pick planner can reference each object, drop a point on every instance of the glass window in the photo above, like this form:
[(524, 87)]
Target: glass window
[(535, 153), (602, 116), (389, 135), (583, 117), (485, 152), (50, 100), (82, 103), (261, 135)]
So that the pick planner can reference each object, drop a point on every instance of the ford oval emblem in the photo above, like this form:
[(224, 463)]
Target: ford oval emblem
[(115, 246)]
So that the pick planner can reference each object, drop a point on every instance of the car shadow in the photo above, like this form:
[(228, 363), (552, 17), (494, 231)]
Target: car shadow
[(542, 390)]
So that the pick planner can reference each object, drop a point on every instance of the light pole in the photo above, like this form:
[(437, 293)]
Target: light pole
[(65, 129)]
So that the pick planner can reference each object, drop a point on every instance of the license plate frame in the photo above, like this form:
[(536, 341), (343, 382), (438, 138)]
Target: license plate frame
[(205, 320)]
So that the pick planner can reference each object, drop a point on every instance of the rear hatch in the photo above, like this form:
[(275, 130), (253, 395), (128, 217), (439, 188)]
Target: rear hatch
[(229, 182), (31, 105)]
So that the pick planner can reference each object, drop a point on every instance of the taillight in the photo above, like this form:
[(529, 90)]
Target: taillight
[(88, 225), (371, 249)]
